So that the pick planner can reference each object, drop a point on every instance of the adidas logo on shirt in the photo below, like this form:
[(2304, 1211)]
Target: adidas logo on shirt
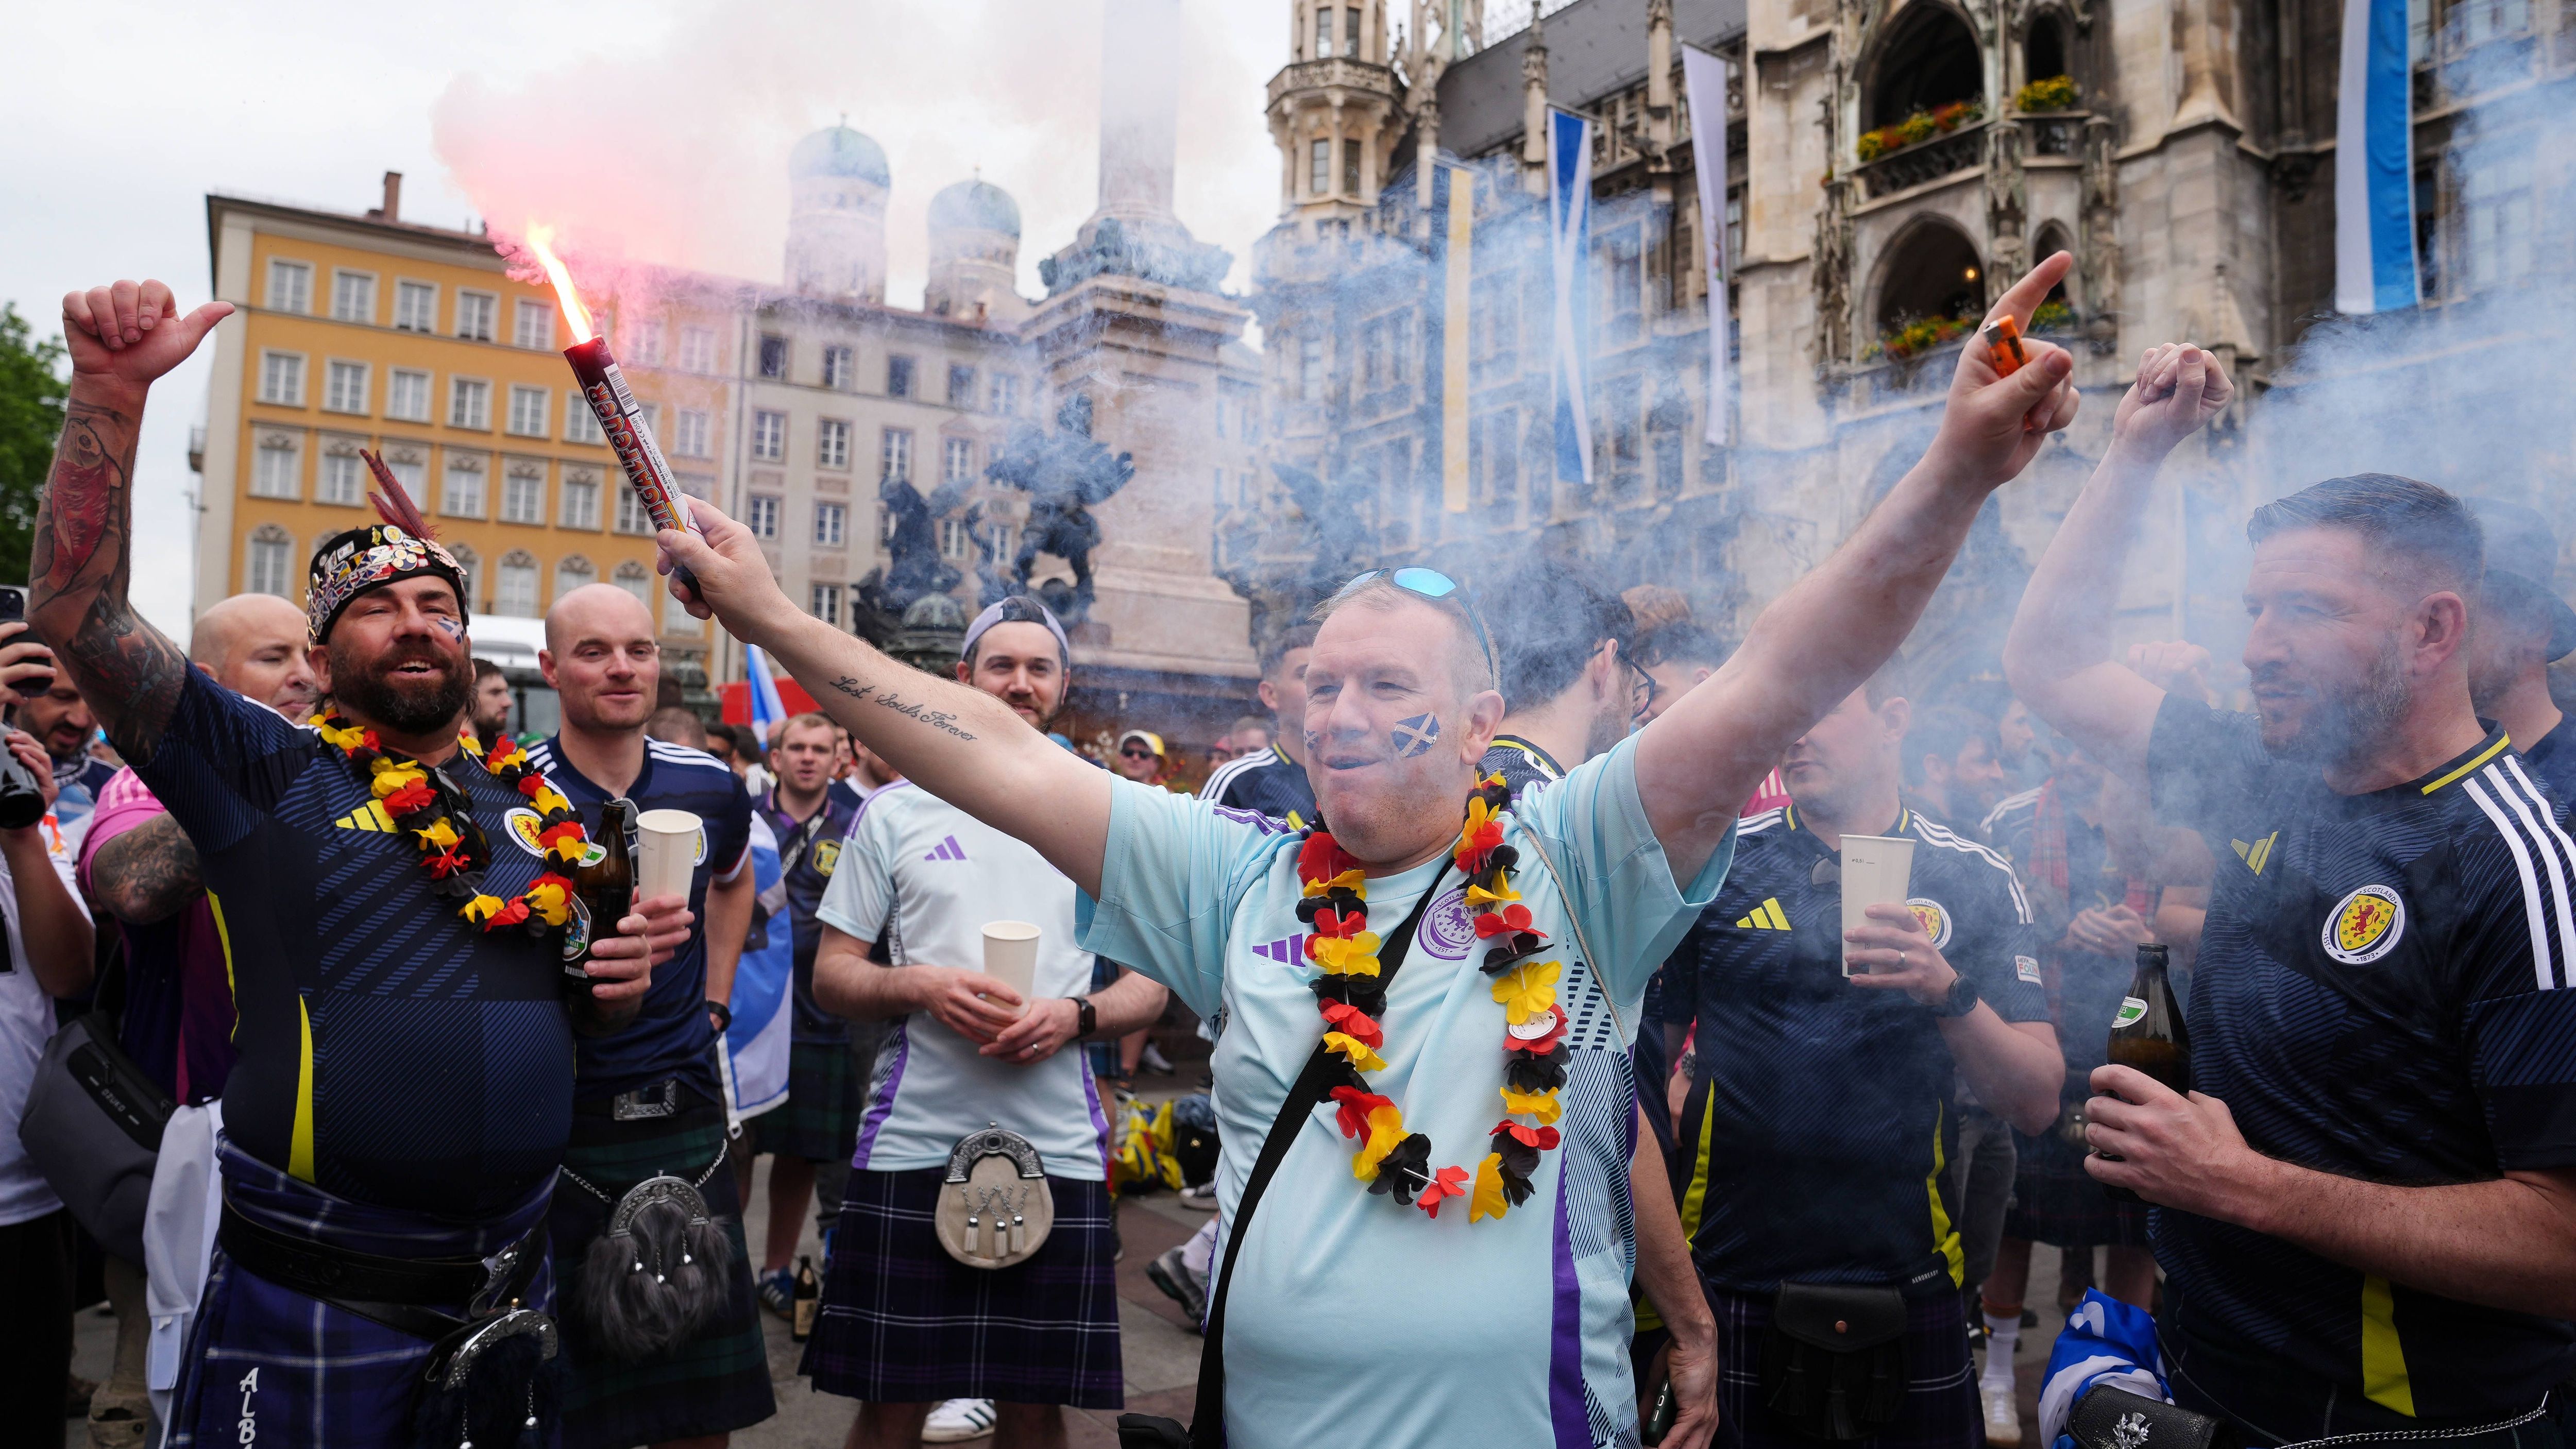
[(947, 849), (1766, 917), (1287, 951), (2258, 854), (371, 818)]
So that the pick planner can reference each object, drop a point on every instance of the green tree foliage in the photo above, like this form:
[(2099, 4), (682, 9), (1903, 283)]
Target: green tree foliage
[(32, 392)]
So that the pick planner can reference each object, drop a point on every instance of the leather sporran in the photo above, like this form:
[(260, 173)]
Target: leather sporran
[(995, 1207), (1833, 1362), (658, 1274)]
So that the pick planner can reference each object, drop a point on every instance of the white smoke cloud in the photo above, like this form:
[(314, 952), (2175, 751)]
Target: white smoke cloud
[(675, 152)]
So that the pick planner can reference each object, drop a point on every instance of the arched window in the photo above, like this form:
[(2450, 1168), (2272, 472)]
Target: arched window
[(635, 579), (2051, 240), (268, 563), (573, 573), (514, 594), (2045, 53), (469, 561), (1931, 272), (1927, 58)]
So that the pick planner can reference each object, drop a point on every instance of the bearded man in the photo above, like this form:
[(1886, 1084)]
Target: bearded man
[(2366, 1204), (404, 1087)]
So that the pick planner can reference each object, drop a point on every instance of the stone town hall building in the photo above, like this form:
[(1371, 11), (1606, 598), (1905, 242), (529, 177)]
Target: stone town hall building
[(2185, 158)]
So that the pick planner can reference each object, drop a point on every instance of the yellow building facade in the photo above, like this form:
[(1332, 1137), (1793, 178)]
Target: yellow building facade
[(366, 332)]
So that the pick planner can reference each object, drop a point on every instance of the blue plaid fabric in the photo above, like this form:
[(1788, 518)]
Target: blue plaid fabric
[(269, 1366)]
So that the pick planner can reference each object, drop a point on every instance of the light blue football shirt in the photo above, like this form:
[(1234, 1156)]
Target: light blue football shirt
[(1352, 1318)]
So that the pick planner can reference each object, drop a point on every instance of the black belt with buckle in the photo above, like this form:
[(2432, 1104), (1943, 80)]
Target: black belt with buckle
[(669, 1097), (404, 1294)]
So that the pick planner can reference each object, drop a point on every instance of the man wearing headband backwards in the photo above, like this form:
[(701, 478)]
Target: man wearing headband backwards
[(1446, 1253), (404, 1089)]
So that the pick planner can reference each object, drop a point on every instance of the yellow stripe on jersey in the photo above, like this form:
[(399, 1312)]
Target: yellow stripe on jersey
[(224, 938), (2489, 753), (371, 817), (2384, 1380), (1695, 1200), (299, 1151), (1944, 1232)]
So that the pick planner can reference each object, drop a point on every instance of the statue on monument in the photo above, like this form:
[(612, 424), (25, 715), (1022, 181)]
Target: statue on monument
[(1065, 474), (913, 567)]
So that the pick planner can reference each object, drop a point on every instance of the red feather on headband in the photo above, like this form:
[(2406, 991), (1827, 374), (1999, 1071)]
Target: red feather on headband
[(394, 504)]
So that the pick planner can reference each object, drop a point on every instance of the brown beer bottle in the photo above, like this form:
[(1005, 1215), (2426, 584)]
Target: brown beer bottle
[(603, 891), (808, 1300), (2147, 1033)]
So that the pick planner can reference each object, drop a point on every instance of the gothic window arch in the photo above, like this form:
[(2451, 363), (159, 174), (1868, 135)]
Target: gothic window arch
[(2048, 48), (1930, 270), (1927, 56), (2051, 239)]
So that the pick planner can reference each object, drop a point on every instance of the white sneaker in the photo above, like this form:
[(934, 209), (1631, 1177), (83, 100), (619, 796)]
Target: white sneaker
[(2003, 1415), (959, 1420)]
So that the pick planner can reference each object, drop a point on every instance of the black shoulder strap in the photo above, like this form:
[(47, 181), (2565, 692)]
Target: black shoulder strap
[(1207, 1422)]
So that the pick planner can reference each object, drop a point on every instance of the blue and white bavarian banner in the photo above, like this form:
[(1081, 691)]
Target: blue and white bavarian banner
[(1569, 219), (2374, 163), (767, 709), (1704, 80), (755, 1055)]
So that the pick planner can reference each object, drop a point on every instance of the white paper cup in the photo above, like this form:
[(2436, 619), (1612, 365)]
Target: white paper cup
[(1011, 956), (1877, 870), (667, 855)]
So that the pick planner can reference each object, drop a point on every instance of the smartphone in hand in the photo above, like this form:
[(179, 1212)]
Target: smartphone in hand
[(13, 610)]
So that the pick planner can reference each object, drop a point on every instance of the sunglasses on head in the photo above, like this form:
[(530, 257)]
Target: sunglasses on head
[(1435, 585)]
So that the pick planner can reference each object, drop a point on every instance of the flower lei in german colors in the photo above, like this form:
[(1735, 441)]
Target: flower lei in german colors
[(1352, 998), (454, 855)]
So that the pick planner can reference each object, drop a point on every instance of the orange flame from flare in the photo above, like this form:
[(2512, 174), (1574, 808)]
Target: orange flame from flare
[(576, 316)]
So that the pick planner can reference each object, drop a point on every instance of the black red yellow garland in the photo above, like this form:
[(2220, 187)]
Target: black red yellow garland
[(1352, 998), (455, 856)]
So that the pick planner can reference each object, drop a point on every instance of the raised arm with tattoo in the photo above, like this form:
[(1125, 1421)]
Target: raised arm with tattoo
[(1815, 644), (957, 742), (2058, 656), (121, 340)]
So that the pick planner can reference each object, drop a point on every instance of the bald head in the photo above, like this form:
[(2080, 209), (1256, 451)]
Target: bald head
[(602, 660), (254, 644), (594, 607), (226, 622)]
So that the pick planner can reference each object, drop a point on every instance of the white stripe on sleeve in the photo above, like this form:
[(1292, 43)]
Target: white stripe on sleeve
[(2514, 842)]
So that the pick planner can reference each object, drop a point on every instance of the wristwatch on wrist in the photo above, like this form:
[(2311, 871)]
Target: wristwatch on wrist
[(1961, 1000), (1086, 1016)]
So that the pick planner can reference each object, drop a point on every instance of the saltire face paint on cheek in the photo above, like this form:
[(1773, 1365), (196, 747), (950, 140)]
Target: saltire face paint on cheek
[(1415, 736)]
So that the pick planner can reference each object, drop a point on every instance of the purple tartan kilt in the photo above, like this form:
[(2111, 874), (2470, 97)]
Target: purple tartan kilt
[(904, 1323), (1942, 1410)]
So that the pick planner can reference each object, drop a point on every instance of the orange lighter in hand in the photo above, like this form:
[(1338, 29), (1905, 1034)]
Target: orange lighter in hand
[(2003, 345)]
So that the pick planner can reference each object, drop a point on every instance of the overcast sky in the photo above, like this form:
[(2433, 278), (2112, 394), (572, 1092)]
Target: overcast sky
[(666, 122)]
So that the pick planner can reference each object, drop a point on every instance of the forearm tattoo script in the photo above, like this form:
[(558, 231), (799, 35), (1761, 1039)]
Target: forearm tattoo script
[(939, 719)]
